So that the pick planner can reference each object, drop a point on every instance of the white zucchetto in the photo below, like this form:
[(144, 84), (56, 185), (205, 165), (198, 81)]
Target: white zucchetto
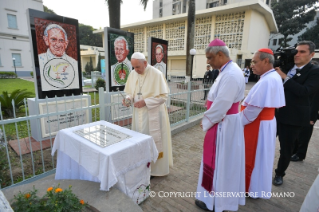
[(138, 56)]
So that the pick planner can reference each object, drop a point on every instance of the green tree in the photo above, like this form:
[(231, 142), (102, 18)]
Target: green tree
[(292, 16), (87, 69), (311, 34), (91, 65), (47, 10), (115, 12), (98, 67), (87, 37)]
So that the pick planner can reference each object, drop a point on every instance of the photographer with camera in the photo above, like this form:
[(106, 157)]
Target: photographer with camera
[(300, 82)]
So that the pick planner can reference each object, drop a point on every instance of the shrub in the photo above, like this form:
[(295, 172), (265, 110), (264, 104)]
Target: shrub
[(100, 83), (56, 199), (3, 165), (31, 73), (7, 74), (17, 96)]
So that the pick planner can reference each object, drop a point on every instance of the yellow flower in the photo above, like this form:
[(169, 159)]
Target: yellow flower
[(49, 189), (27, 196), (58, 190), (82, 201)]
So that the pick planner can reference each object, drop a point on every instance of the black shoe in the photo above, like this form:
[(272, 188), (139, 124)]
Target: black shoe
[(295, 158), (201, 205), (278, 180)]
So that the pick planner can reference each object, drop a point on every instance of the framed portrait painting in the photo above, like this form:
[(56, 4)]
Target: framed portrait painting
[(119, 47), (56, 54), (157, 49)]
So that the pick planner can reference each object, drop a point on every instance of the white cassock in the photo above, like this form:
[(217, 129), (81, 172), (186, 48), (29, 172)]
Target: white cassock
[(246, 74), (162, 67), (268, 92), (229, 173), (125, 62), (45, 57), (311, 202), (153, 118)]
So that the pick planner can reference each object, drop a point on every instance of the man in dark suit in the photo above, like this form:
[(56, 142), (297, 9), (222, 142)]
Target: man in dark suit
[(207, 80), (299, 83), (300, 149)]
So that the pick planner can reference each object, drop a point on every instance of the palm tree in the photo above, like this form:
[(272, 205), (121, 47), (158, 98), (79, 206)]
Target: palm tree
[(115, 12)]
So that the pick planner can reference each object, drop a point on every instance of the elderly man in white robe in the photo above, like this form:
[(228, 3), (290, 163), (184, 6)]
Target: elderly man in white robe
[(223, 165), (147, 89), (258, 117)]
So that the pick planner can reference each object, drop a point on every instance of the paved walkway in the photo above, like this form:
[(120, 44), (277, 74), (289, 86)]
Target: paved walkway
[(187, 153)]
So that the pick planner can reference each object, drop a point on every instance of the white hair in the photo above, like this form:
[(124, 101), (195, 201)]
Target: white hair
[(55, 26), (264, 55), (121, 38), (160, 46), (216, 49)]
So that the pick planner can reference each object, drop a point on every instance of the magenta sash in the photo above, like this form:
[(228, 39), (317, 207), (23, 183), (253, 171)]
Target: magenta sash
[(209, 152)]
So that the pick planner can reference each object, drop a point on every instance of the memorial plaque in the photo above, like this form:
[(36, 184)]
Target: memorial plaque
[(51, 125), (101, 135)]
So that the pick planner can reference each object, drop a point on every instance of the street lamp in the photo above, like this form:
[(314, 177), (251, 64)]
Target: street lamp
[(192, 52), (14, 63)]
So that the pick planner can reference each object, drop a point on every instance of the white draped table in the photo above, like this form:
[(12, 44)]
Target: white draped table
[(124, 165)]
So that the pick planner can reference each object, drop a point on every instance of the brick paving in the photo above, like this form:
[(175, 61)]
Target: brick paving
[(187, 153)]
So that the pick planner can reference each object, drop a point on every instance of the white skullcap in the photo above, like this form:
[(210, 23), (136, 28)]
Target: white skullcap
[(138, 56)]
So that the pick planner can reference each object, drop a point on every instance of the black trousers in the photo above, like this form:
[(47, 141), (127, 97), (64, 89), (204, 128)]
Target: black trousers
[(206, 91), (288, 136), (302, 142)]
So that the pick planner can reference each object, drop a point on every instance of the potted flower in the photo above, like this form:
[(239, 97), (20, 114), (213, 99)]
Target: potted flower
[(56, 199)]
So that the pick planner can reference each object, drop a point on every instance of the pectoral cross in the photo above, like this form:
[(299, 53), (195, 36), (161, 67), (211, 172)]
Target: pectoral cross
[(139, 94)]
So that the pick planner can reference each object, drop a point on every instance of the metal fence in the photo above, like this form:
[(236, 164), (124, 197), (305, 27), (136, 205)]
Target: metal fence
[(25, 154)]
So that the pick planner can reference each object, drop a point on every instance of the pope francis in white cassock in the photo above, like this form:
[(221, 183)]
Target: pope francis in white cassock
[(147, 90), (258, 116), (221, 182)]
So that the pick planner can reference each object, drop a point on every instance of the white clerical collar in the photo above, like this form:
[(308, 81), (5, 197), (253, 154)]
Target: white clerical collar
[(146, 69), (50, 55), (264, 74)]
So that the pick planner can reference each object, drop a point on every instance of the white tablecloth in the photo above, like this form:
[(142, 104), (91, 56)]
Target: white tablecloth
[(123, 164)]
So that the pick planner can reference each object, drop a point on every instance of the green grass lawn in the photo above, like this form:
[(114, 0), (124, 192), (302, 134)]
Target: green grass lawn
[(13, 84)]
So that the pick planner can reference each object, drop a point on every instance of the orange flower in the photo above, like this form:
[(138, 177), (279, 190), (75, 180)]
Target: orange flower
[(49, 189), (58, 190), (27, 196), (82, 201)]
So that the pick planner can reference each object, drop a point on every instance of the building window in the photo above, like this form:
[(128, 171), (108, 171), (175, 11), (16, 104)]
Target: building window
[(161, 3), (274, 42), (160, 13), (267, 2), (225, 1), (12, 21), (17, 58), (212, 4), (0, 61), (176, 8), (280, 41)]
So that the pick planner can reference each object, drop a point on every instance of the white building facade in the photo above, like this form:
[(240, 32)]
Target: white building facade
[(163, 8), (244, 26), (14, 35)]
